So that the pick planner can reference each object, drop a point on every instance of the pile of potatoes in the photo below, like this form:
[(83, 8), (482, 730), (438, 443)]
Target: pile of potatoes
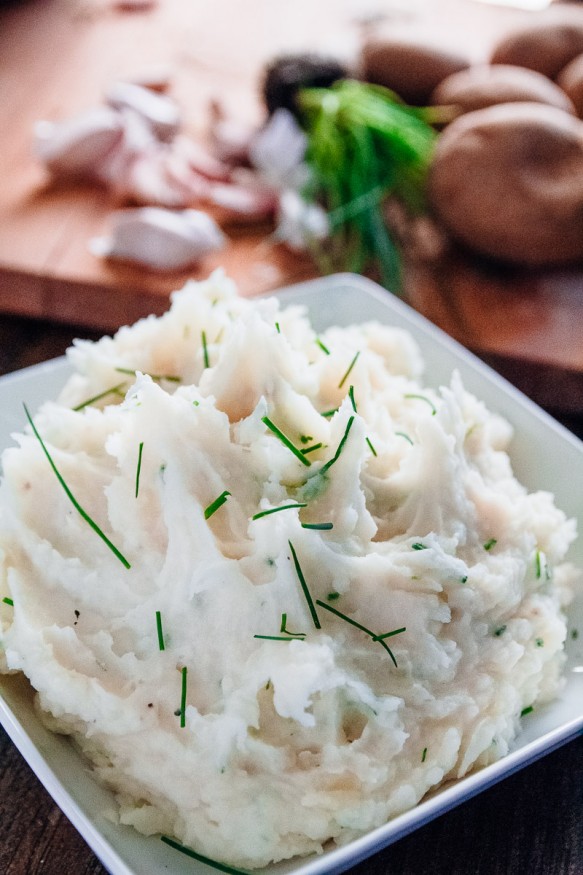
[(507, 174)]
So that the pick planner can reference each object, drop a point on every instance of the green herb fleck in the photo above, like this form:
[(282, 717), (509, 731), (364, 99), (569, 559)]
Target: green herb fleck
[(222, 867), (171, 378), (285, 440), (329, 413), (83, 513), (161, 645), (214, 505), (332, 596), (351, 396), (500, 631), (389, 634), (464, 579), (271, 510), (322, 527), (424, 755), (285, 631), (423, 398), (539, 642), (312, 449), (491, 543), (277, 637), (322, 346), (205, 352), (304, 587), (526, 711), (371, 448), (404, 435), (419, 546), (336, 455), (348, 370), (8, 601), (277, 328), (139, 467), (115, 390), (537, 564), (378, 638), (183, 698), (574, 634), (306, 438)]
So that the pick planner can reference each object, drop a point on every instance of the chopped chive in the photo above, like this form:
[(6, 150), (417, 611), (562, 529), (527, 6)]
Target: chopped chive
[(277, 328), (214, 505), (183, 698), (114, 390), (423, 398), (539, 642), (159, 630), (500, 631), (139, 467), (491, 543), (350, 366), (328, 413), (306, 438), (322, 527), (304, 587), (389, 634), (83, 513), (343, 440), (419, 546), (464, 579), (8, 601), (171, 378), (205, 352), (526, 711), (222, 867), (332, 596), (351, 396), (424, 755), (287, 637), (285, 440), (372, 449), (322, 346), (537, 564), (285, 631), (262, 513), (404, 435), (361, 627), (574, 634), (312, 448)]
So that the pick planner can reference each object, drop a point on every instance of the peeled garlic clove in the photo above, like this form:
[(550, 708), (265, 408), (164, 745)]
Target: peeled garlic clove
[(278, 148), (300, 223), (160, 111), (160, 239), (75, 146)]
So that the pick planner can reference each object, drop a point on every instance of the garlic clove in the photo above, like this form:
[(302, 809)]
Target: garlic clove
[(249, 201), (158, 110), (300, 224), (160, 239), (278, 149), (75, 146)]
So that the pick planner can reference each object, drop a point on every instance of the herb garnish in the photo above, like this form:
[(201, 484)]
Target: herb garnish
[(8, 601), (490, 543), (304, 587), (263, 513), (372, 449), (404, 435), (379, 638), (574, 634), (277, 637), (183, 697), (159, 630), (171, 378), (139, 467), (419, 546), (350, 366), (343, 440), (328, 413), (351, 396), (539, 642), (500, 631), (222, 867), (83, 513), (205, 352), (312, 449), (423, 398), (285, 440), (424, 755), (214, 505), (322, 346), (277, 328), (285, 631), (114, 390), (526, 711), (322, 527), (332, 596)]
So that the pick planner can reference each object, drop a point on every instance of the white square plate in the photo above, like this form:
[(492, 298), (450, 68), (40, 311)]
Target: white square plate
[(545, 456)]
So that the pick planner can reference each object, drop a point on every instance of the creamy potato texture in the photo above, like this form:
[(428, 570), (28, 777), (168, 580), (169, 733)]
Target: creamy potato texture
[(284, 500)]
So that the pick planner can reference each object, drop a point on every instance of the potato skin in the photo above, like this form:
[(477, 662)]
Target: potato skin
[(546, 45), (409, 66), (487, 85), (507, 181), (571, 81)]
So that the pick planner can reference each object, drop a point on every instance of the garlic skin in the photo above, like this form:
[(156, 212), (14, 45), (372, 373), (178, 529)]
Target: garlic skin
[(159, 239), (158, 110), (75, 147)]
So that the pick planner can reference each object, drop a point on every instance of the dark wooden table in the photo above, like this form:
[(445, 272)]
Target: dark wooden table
[(530, 824)]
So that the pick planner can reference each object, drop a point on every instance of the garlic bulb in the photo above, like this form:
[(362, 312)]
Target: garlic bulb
[(75, 146), (160, 239)]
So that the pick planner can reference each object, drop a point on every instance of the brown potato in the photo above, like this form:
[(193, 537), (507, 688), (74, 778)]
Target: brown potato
[(484, 85), (409, 66), (508, 182), (571, 81), (547, 44)]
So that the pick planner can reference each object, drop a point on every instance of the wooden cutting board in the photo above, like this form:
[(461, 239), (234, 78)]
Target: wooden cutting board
[(58, 56)]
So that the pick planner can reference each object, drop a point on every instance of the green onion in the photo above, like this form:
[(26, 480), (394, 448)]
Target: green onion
[(423, 398), (115, 390), (526, 711), (306, 438), (83, 513), (222, 867), (285, 631), (336, 455), (263, 513), (278, 637), (372, 449), (8, 601), (404, 435), (500, 631), (328, 413), (389, 634), (489, 544), (312, 449), (350, 366), (171, 378), (419, 546), (159, 630), (464, 579), (332, 596), (322, 346), (537, 564), (379, 638), (424, 755), (285, 440), (277, 328), (205, 352), (351, 396), (183, 698), (139, 467), (304, 587), (214, 505), (321, 527)]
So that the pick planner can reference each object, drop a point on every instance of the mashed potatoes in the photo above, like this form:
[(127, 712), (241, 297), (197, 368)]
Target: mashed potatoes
[(338, 595)]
